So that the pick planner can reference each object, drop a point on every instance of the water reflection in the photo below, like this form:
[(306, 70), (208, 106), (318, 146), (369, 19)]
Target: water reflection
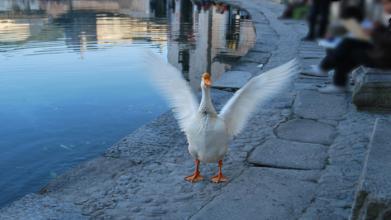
[(209, 37), (70, 84), (201, 36)]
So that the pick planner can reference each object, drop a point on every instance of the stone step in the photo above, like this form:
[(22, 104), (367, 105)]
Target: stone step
[(289, 155), (312, 55), (311, 104), (306, 131), (308, 62), (373, 89), (263, 193), (233, 80), (373, 196)]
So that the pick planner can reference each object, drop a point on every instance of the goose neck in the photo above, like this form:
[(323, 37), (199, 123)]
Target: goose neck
[(206, 105)]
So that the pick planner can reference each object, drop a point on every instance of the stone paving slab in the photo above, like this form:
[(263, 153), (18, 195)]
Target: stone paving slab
[(372, 90), (309, 84), (340, 177), (314, 79), (263, 193), (233, 80), (329, 211), (37, 207), (247, 67), (313, 105), (306, 131), (256, 57), (373, 198), (311, 56), (309, 62), (289, 154), (316, 53)]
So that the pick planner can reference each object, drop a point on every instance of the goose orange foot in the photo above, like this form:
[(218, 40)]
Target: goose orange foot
[(219, 178), (196, 176)]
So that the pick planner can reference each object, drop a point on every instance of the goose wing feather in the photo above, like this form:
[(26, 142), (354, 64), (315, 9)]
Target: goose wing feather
[(256, 92), (174, 88)]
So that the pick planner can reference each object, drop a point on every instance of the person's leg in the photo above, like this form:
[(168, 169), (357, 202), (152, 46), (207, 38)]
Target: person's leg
[(341, 73), (355, 50), (323, 68), (340, 79), (324, 11), (336, 56), (349, 55), (329, 61), (312, 20), (356, 55)]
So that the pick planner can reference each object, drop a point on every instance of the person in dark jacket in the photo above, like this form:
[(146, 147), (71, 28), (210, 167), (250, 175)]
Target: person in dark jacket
[(352, 53)]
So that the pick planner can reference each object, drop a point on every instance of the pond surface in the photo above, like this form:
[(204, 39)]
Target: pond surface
[(71, 83)]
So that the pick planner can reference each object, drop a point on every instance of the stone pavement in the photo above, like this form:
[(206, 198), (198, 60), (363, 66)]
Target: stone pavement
[(373, 197), (300, 156)]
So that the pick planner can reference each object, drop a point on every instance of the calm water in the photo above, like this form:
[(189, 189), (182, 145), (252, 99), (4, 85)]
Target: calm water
[(71, 83)]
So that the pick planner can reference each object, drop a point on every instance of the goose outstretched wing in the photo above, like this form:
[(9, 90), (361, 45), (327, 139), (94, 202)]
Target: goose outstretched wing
[(256, 92), (174, 88)]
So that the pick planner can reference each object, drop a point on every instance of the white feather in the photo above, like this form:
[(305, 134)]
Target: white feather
[(174, 87), (257, 91)]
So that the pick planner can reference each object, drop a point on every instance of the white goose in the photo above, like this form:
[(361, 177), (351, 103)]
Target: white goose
[(208, 132)]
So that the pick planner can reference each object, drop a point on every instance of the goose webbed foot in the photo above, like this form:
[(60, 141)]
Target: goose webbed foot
[(196, 175), (219, 178), (194, 178)]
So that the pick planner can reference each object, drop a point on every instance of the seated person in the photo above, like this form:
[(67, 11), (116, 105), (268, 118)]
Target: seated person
[(372, 48), (337, 31)]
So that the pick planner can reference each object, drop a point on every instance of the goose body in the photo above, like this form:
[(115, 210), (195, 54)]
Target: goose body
[(208, 132), (208, 138)]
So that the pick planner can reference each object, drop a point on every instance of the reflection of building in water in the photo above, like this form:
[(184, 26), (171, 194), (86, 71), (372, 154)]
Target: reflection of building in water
[(204, 37), (19, 5), (55, 8), (84, 22), (109, 30), (181, 35), (19, 30), (79, 29), (120, 29), (13, 31)]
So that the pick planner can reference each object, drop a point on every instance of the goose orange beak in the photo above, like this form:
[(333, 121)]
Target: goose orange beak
[(207, 79)]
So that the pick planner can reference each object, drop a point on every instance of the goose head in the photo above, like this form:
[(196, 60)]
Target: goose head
[(206, 105), (206, 80)]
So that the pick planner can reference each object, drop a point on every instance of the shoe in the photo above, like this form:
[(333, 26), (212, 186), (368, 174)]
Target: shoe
[(332, 89), (316, 71), (329, 43)]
